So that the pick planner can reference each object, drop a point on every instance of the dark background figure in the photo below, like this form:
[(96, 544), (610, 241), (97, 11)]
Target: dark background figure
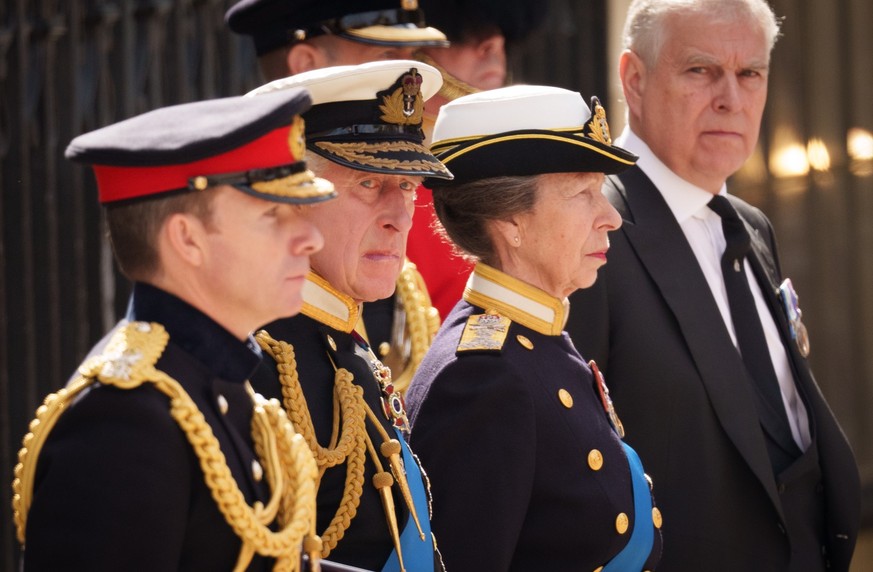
[(69, 67), (696, 328)]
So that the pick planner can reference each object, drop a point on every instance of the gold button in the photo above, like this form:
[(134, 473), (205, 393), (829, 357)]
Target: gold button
[(621, 523), (222, 404), (565, 398), (257, 471), (384, 348), (656, 517), (595, 460), (526, 343), (201, 183), (331, 343)]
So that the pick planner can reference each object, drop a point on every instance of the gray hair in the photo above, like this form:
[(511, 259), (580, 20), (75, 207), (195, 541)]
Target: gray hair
[(646, 20), (465, 209)]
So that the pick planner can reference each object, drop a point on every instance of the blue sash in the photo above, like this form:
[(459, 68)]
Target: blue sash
[(418, 554), (635, 553)]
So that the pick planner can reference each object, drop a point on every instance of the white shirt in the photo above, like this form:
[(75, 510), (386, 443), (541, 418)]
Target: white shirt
[(703, 230)]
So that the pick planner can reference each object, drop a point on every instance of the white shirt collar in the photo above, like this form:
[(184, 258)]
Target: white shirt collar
[(683, 198)]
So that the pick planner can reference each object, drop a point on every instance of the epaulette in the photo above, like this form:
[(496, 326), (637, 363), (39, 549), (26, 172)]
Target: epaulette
[(422, 322), (130, 356), (126, 362), (484, 333)]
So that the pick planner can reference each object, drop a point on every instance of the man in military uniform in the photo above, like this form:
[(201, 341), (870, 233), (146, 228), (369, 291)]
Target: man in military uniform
[(158, 455), (295, 36), (365, 127)]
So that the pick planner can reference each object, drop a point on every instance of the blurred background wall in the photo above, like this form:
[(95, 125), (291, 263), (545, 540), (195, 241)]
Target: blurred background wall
[(69, 66)]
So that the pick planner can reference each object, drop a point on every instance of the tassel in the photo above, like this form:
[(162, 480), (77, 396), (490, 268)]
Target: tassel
[(391, 450), (383, 482)]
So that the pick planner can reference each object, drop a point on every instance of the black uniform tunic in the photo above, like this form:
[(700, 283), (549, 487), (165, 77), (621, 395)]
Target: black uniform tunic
[(119, 487), (320, 349)]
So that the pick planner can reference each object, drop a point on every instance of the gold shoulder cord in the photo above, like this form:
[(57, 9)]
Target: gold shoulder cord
[(422, 321), (452, 87), (127, 363), (348, 444)]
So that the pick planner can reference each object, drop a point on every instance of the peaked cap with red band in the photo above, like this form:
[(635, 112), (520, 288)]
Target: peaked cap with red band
[(253, 144)]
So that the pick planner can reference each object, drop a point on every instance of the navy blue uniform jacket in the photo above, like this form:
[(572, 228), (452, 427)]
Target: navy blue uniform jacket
[(367, 543), (508, 461), (118, 486)]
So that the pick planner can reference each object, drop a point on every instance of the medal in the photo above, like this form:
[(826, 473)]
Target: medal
[(603, 391), (392, 401), (792, 310)]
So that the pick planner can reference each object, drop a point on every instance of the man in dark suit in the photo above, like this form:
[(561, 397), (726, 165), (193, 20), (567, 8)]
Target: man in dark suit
[(697, 331), (158, 455)]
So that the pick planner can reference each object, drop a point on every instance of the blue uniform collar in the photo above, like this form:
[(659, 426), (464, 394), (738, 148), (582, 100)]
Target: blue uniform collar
[(196, 333)]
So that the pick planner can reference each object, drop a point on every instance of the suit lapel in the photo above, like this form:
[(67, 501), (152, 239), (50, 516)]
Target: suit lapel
[(654, 234)]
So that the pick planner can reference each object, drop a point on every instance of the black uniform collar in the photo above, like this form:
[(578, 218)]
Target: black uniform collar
[(491, 289), (196, 333), (327, 305)]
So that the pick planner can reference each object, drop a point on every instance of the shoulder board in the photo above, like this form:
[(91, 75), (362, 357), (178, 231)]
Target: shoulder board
[(129, 358), (484, 333)]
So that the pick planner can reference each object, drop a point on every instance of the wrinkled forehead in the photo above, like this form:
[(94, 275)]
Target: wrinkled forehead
[(700, 39)]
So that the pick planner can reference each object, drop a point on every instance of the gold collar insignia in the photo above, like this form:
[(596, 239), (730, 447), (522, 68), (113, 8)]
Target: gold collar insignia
[(327, 305), (531, 307)]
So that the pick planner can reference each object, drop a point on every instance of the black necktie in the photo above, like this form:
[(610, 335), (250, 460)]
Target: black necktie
[(750, 333)]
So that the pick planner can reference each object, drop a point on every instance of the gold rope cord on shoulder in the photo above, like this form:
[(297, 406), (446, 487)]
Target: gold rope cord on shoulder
[(452, 87), (291, 472), (352, 411), (422, 321), (348, 445)]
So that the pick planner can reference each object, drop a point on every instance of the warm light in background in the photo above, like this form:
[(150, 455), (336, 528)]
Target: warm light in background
[(860, 144), (789, 161), (817, 155)]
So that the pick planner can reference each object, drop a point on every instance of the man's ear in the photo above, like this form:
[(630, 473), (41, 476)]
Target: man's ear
[(184, 236), (304, 56), (632, 71)]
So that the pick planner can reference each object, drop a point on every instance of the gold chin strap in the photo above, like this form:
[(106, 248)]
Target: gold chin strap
[(291, 472), (349, 442)]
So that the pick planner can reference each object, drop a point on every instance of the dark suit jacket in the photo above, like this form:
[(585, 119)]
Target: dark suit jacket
[(508, 462), (118, 486), (681, 390)]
